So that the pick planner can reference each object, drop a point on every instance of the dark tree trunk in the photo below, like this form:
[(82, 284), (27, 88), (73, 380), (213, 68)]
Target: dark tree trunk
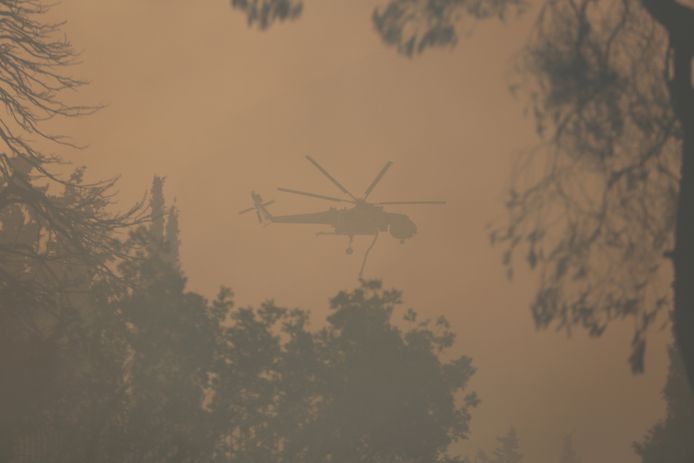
[(683, 255), (678, 20)]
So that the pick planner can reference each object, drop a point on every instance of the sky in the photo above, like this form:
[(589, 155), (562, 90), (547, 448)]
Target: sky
[(219, 109)]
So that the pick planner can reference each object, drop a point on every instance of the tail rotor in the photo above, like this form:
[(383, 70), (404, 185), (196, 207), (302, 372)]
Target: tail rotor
[(259, 208)]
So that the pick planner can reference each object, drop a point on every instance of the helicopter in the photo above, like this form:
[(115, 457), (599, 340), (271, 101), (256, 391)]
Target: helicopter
[(363, 218)]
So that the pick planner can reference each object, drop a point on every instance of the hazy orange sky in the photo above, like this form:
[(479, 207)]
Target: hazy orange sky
[(220, 110)]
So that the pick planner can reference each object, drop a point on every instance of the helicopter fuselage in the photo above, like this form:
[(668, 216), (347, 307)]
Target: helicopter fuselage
[(362, 219)]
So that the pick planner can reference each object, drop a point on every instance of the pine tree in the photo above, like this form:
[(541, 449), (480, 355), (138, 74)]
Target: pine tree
[(172, 241), (163, 230), (157, 208), (172, 340), (568, 452), (508, 449)]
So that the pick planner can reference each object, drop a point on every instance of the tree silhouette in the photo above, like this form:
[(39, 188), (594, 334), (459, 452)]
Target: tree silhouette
[(170, 336), (603, 204), (413, 26), (568, 452), (670, 440), (508, 449), (601, 209), (607, 199), (32, 84), (58, 240), (61, 353), (157, 208), (263, 13), (361, 389), (171, 238), (80, 222)]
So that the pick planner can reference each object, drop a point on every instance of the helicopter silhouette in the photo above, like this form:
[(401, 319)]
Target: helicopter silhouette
[(363, 218)]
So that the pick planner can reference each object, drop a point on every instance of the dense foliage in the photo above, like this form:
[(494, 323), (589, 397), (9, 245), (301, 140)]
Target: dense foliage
[(151, 372)]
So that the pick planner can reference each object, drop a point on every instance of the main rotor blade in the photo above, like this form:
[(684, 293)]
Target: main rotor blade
[(314, 195), (385, 203), (377, 179), (332, 179)]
